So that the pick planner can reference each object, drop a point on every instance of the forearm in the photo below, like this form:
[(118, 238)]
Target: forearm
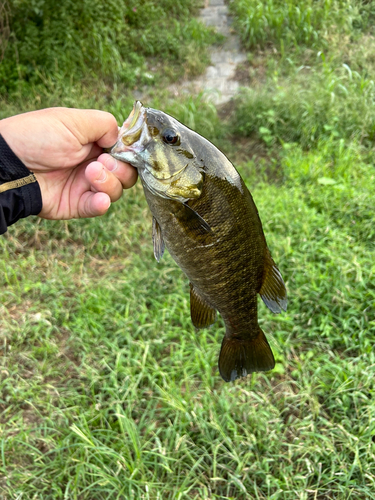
[(20, 194)]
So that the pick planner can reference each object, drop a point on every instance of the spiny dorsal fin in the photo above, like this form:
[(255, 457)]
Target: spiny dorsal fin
[(239, 357), (273, 291), (157, 239), (202, 314)]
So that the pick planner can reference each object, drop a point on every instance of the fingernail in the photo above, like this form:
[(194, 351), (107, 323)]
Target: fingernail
[(112, 164), (102, 176)]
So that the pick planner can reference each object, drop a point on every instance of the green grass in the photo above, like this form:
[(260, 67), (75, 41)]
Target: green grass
[(299, 24), (302, 89), (106, 389), (324, 102), (109, 392)]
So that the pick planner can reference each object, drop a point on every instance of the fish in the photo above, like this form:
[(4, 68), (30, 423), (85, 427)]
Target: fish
[(205, 216)]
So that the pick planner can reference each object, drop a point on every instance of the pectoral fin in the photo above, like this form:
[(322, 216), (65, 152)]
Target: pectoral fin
[(193, 221), (157, 239), (273, 291), (202, 314)]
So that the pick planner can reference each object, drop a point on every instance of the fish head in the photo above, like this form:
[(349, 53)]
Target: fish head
[(161, 148)]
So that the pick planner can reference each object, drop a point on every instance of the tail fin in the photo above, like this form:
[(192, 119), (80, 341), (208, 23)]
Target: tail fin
[(239, 357)]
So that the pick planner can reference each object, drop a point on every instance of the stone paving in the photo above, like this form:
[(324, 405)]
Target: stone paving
[(218, 79)]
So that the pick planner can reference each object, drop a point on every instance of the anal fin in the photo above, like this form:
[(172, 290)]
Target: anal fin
[(202, 314), (273, 291), (239, 357), (157, 239)]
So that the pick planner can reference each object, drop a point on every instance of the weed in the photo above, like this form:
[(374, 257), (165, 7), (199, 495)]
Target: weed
[(325, 102)]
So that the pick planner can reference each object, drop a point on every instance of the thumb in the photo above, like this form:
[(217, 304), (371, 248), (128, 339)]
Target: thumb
[(93, 204), (90, 125)]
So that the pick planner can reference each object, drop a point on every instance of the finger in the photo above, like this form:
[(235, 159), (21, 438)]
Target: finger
[(102, 180), (126, 174), (91, 125), (93, 204)]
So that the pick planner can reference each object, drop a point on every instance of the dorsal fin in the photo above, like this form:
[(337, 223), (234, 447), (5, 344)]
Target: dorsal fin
[(202, 314), (273, 291), (157, 239)]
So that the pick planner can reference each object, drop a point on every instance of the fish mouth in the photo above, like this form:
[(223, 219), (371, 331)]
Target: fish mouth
[(129, 143), (132, 126)]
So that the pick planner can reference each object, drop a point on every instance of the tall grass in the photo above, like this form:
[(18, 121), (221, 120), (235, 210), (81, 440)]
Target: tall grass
[(320, 102), (294, 23)]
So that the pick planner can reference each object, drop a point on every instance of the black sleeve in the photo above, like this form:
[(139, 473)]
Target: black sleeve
[(20, 194)]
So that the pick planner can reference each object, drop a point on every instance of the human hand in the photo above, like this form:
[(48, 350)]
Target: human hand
[(63, 147)]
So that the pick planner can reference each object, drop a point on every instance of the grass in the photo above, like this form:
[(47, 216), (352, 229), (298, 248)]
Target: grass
[(109, 392), (321, 103), (296, 25), (106, 389)]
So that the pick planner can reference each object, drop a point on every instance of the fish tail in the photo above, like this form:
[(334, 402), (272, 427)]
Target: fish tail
[(239, 357)]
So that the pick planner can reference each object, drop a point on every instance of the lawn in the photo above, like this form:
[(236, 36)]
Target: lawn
[(107, 391)]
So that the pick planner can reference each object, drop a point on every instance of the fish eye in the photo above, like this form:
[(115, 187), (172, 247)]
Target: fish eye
[(170, 136)]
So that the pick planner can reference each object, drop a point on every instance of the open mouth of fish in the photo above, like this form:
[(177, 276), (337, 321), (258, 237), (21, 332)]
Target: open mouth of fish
[(131, 129), (131, 135)]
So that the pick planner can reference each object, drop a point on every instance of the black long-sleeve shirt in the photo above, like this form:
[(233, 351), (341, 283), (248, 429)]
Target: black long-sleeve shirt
[(20, 194)]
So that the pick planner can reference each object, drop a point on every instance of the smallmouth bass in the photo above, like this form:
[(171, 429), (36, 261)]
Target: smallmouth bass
[(206, 217)]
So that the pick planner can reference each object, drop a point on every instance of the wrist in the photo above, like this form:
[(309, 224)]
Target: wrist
[(19, 189), (9, 133)]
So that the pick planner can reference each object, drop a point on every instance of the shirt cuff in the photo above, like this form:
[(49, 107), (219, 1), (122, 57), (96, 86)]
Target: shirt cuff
[(20, 194)]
